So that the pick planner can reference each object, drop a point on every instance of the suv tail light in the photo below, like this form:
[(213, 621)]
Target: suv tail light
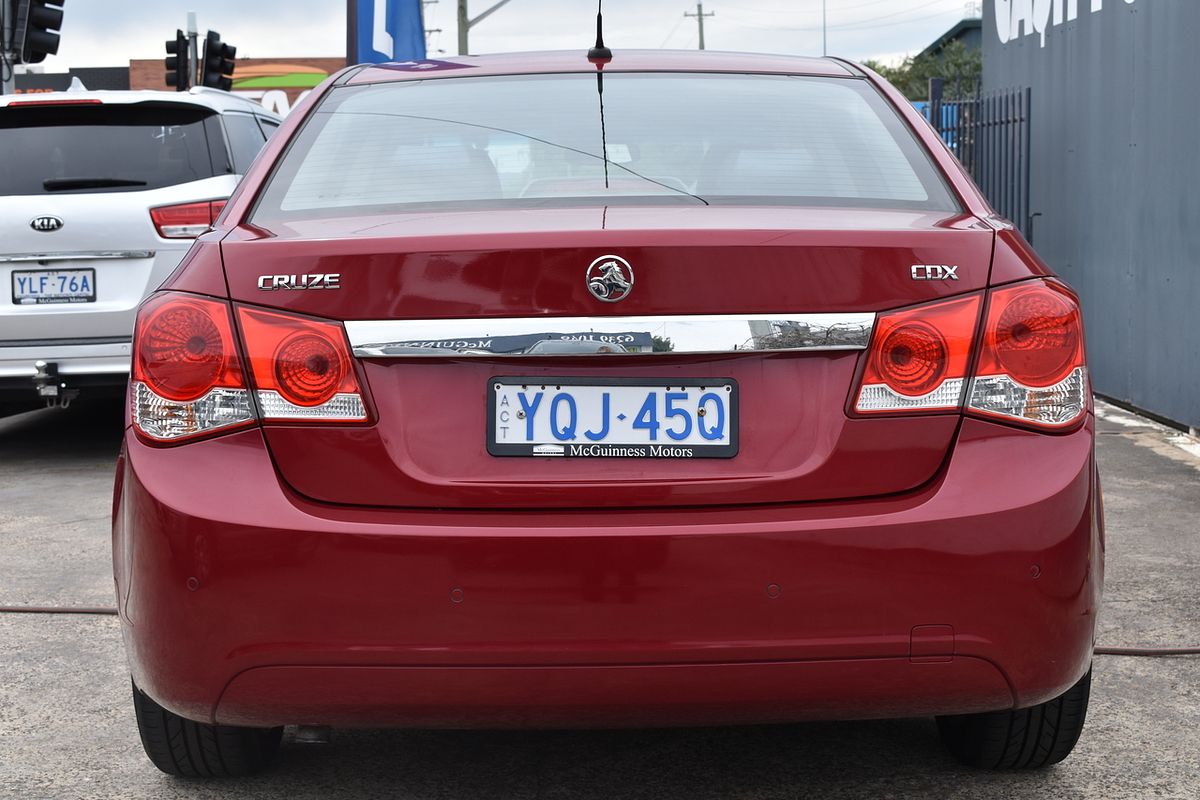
[(187, 380), (187, 220), (919, 358), (1031, 365), (302, 367)]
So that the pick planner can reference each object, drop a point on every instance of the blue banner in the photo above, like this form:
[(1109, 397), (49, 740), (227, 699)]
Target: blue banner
[(387, 30)]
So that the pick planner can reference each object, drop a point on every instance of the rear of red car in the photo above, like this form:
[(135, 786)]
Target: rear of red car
[(688, 392)]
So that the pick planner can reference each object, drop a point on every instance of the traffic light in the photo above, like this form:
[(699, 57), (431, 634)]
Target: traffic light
[(178, 64), (218, 63), (38, 24)]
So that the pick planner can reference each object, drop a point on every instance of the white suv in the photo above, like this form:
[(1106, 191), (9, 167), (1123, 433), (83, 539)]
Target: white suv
[(101, 194)]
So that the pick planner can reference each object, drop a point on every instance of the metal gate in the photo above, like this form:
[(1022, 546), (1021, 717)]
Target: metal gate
[(989, 134)]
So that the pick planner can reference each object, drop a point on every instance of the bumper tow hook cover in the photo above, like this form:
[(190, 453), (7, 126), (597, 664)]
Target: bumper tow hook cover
[(931, 644)]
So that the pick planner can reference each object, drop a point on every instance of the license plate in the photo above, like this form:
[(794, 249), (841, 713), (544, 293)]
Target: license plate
[(31, 287), (613, 418)]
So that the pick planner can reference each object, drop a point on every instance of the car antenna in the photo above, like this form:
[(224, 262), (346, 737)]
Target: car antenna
[(601, 55)]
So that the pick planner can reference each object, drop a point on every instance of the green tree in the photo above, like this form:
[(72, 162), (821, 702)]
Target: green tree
[(663, 344), (959, 66)]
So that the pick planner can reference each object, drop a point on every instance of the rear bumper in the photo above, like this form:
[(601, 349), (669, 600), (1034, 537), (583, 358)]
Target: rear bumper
[(91, 367), (244, 604), (91, 361)]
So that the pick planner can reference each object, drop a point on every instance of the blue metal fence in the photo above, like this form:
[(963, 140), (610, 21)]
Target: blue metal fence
[(990, 136)]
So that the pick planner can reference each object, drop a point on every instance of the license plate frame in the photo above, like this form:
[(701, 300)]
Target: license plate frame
[(56, 298), (660, 449)]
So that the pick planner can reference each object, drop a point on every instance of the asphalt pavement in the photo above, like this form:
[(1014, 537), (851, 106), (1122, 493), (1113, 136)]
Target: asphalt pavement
[(67, 728)]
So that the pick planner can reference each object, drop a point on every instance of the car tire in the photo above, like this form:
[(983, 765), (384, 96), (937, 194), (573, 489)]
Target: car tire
[(188, 749), (1028, 738)]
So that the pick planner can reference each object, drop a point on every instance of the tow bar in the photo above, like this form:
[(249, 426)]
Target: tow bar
[(50, 387)]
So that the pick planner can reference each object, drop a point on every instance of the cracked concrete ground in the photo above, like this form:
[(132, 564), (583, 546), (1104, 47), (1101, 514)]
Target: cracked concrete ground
[(67, 729)]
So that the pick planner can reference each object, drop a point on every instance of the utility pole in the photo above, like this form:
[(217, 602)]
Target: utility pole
[(465, 23), (194, 65), (428, 31), (8, 46), (700, 15)]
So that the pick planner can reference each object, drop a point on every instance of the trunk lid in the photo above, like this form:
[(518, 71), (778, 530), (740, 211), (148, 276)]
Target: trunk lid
[(427, 443)]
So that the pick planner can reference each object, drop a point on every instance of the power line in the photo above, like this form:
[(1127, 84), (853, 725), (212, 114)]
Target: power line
[(840, 7), (862, 24), (678, 22), (901, 13), (873, 26)]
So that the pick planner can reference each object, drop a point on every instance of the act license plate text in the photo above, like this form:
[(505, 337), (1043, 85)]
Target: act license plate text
[(30, 287), (613, 418)]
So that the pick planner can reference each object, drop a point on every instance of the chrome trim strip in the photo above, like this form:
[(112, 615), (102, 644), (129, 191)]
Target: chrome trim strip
[(84, 342), (90, 255), (536, 336)]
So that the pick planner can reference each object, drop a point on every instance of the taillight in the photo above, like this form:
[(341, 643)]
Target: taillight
[(186, 220), (302, 367), (1031, 364), (186, 377), (90, 101), (919, 358)]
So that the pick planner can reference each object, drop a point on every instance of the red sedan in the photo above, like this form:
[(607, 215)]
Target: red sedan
[(540, 391)]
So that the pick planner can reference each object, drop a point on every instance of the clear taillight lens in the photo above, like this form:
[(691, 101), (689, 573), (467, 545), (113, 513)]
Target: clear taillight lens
[(302, 367), (186, 220), (1032, 366), (186, 378), (919, 357)]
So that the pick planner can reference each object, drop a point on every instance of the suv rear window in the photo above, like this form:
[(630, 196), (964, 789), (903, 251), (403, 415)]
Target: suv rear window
[(104, 148), (537, 140)]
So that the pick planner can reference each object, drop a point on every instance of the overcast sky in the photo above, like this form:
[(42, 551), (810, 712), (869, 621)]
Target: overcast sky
[(109, 32)]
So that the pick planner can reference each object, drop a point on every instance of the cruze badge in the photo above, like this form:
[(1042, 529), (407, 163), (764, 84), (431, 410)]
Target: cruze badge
[(610, 278), (270, 283), (47, 223), (934, 272)]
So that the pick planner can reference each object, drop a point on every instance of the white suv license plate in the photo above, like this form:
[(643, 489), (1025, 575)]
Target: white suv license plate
[(34, 287), (613, 417)]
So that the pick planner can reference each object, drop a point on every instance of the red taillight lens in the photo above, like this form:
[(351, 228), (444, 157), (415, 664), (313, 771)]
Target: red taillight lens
[(1031, 365), (919, 357), (309, 368), (912, 358), (185, 347), (302, 367), (1033, 335), (186, 220), (91, 101), (186, 377)]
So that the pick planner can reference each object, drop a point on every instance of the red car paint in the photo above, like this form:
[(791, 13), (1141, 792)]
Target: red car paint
[(393, 573)]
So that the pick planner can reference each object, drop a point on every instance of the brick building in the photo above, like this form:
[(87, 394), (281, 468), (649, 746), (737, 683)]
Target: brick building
[(276, 82)]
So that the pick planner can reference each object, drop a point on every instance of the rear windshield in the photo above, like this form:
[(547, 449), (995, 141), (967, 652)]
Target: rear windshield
[(541, 140), (103, 148)]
